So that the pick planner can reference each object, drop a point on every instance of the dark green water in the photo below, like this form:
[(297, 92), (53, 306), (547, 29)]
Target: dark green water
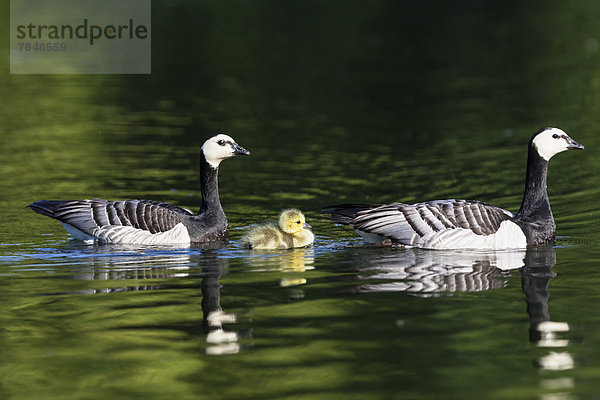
[(338, 101)]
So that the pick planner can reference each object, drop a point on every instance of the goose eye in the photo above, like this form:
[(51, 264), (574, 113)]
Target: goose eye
[(297, 222), (555, 136), (221, 142)]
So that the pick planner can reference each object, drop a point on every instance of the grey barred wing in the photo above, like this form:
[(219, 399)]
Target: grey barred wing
[(148, 215), (90, 215), (406, 222)]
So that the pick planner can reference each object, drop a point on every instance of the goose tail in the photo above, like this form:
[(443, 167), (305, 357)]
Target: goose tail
[(345, 213), (46, 207)]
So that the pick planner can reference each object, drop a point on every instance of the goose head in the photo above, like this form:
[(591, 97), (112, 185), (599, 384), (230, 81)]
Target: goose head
[(292, 221), (220, 147), (550, 141)]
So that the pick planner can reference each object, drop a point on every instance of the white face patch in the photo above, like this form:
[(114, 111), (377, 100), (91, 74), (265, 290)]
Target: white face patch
[(552, 141), (220, 147)]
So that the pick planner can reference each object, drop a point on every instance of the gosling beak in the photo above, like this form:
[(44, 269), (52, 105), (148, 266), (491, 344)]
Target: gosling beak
[(307, 226), (239, 150), (573, 145)]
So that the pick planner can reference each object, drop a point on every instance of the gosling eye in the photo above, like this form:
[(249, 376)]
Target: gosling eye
[(221, 142), (555, 136), (298, 222)]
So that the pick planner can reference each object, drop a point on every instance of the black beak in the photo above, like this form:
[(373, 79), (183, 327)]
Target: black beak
[(573, 145), (239, 150)]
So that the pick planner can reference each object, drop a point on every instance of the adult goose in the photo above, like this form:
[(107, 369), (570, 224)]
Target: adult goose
[(147, 221), (466, 224)]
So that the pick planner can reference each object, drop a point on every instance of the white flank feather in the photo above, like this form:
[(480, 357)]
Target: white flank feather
[(508, 236), (130, 235), (76, 233)]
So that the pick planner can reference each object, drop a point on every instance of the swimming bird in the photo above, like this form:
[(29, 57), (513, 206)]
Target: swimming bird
[(292, 231), (466, 224), (147, 221)]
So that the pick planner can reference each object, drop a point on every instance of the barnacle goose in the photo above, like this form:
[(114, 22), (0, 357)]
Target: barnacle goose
[(147, 221), (466, 224)]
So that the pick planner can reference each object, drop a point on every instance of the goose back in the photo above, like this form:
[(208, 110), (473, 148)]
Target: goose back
[(130, 221), (440, 223)]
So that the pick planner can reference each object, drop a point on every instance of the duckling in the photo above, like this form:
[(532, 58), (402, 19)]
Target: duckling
[(292, 231)]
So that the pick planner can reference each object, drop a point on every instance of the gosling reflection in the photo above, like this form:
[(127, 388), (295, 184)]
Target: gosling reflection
[(293, 263), (292, 260)]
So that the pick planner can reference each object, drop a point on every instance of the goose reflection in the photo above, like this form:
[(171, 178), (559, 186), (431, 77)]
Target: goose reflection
[(220, 341), (431, 273), (543, 332), (128, 264), (427, 272), (132, 264)]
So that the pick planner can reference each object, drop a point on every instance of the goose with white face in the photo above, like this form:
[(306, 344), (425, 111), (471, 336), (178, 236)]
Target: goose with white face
[(551, 141), (220, 147)]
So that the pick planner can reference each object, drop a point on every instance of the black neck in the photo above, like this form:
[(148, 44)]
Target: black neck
[(535, 206), (209, 182)]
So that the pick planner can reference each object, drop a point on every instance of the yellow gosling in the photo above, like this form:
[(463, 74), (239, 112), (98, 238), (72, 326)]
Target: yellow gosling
[(292, 231)]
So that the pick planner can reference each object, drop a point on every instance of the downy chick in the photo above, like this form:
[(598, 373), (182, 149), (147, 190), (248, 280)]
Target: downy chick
[(292, 231)]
